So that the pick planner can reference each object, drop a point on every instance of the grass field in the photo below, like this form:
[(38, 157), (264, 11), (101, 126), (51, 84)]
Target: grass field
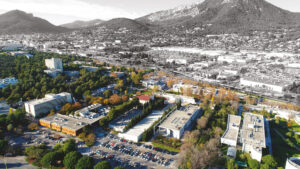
[(164, 147), (281, 151)]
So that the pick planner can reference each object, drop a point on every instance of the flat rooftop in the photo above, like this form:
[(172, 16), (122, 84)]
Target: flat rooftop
[(143, 125), (89, 108), (70, 122), (48, 97), (268, 80), (178, 118), (233, 124), (124, 119), (253, 131), (39, 101)]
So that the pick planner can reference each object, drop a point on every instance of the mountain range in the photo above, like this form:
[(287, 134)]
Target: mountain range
[(17, 22), (220, 16), (82, 24), (226, 16)]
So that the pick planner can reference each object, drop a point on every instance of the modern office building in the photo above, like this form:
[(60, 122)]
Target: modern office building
[(54, 63), (175, 124), (253, 135), (44, 105), (230, 137)]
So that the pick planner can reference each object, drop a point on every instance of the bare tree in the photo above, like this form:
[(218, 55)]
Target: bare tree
[(202, 123)]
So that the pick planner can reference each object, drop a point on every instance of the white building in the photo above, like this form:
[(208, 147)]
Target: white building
[(7, 81), (178, 121), (253, 135), (44, 105), (54, 63), (177, 61), (53, 72), (230, 137), (135, 133), (172, 98), (87, 111), (293, 163), (265, 83)]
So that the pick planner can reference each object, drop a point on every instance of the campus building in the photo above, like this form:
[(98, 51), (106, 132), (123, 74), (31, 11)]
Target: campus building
[(292, 163), (44, 105), (54, 63), (175, 124), (135, 133), (71, 125), (253, 135), (230, 137)]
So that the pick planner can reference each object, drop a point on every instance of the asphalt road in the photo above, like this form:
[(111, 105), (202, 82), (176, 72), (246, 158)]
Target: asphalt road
[(15, 163)]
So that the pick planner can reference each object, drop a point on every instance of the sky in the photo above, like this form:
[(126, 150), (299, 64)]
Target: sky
[(65, 11)]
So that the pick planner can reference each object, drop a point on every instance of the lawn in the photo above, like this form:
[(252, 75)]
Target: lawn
[(164, 147), (295, 126), (281, 151)]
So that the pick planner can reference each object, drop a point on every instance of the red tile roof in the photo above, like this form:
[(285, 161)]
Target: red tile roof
[(143, 97)]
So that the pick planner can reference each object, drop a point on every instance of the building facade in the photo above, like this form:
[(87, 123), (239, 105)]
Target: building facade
[(54, 63), (44, 105), (293, 163), (179, 121)]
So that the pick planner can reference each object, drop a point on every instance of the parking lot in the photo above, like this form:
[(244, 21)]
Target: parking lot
[(109, 147), (129, 154), (42, 136)]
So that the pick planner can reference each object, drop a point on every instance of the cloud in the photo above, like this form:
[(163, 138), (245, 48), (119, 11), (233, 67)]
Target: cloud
[(66, 9)]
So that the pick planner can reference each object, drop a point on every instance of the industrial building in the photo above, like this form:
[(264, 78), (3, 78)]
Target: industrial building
[(253, 135), (230, 137), (71, 125), (44, 105), (267, 83), (293, 163), (176, 122)]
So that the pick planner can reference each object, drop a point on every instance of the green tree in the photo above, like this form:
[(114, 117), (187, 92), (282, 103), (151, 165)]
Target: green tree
[(85, 163), (107, 93), (119, 167), (103, 165), (3, 146), (50, 159), (10, 127), (71, 159), (269, 161), (253, 164), (69, 146), (36, 152), (231, 164)]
